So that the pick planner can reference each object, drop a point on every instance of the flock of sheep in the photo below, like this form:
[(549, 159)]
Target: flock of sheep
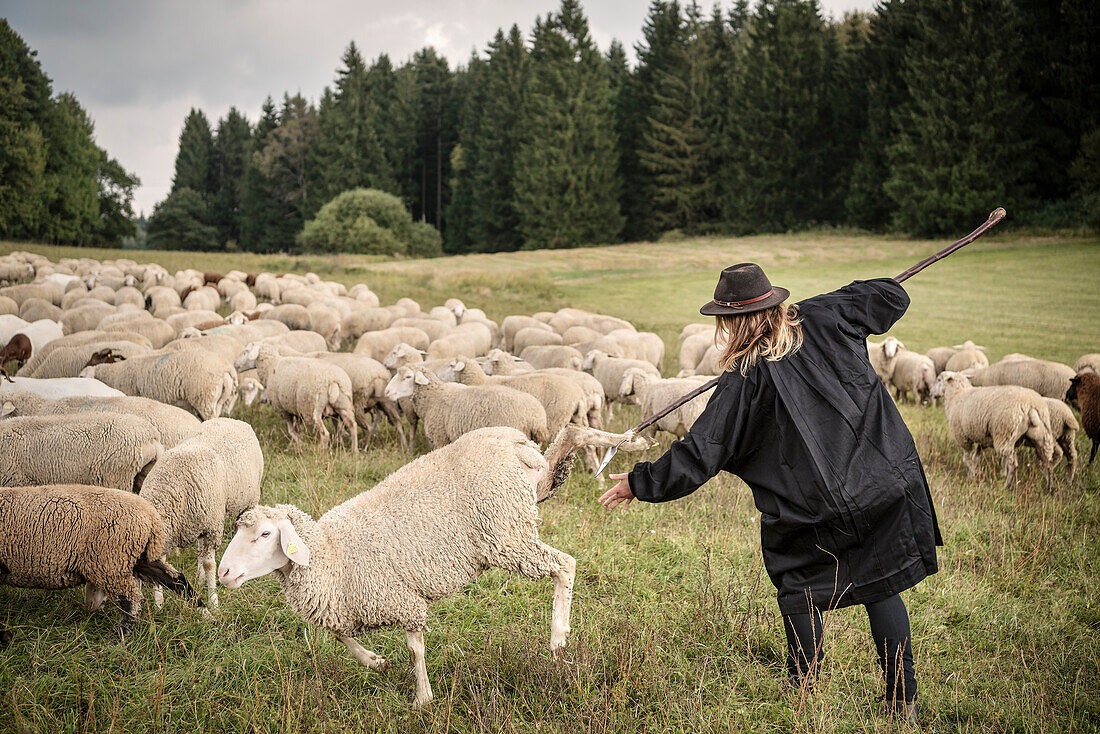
[(118, 448), (1019, 400)]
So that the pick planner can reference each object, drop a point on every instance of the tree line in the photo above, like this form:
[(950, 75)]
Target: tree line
[(917, 117), (56, 184)]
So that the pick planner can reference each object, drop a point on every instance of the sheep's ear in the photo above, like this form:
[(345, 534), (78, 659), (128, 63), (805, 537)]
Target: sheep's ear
[(293, 545), (420, 378), (7, 409), (979, 347), (421, 352), (458, 365)]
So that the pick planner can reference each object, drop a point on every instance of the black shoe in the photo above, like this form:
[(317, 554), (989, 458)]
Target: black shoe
[(904, 712)]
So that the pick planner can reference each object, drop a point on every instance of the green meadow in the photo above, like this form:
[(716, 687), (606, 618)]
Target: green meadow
[(674, 622)]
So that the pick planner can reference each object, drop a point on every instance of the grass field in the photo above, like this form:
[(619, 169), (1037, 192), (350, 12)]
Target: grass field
[(674, 621)]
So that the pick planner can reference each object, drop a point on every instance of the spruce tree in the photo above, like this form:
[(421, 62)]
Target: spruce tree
[(567, 188), (24, 101), (71, 191), (196, 151), (436, 118), (779, 127), (959, 149), (286, 162), (393, 137), (232, 143), (461, 215), (260, 219)]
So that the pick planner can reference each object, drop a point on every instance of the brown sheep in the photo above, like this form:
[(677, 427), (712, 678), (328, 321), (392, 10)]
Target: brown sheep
[(18, 349), (1085, 389), (211, 278)]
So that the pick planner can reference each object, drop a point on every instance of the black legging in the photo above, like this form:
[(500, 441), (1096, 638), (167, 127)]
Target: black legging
[(889, 629)]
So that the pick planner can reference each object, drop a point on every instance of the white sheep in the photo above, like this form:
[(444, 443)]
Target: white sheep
[(913, 373), (968, 355), (172, 424), (377, 344), (192, 379), (104, 449), (938, 355), (610, 371), (423, 533), (883, 357), (511, 325), (300, 388), (1049, 379), (214, 474), (653, 394), (995, 416), (1063, 428), (541, 357), (1087, 362), (61, 387), (450, 411)]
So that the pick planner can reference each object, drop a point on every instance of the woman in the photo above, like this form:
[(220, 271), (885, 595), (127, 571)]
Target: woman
[(845, 512)]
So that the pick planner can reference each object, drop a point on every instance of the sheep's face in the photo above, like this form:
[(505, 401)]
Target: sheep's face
[(247, 359), (404, 383), (627, 386), (945, 381), (261, 545), (451, 371), (591, 358), (250, 390), (237, 318), (890, 347)]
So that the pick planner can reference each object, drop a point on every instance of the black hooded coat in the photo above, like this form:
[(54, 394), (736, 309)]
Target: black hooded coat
[(846, 516)]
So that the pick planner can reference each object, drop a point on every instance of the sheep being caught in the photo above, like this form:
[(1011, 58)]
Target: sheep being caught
[(450, 411), (995, 416), (423, 533), (303, 389), (60, 536)]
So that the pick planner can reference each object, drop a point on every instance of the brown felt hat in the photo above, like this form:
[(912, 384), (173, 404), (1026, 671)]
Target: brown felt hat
[(741, 289)]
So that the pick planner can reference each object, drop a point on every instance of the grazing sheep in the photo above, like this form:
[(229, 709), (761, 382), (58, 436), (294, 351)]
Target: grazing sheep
[(8, 306), (85, 318), (434, 328), (62, 387), (692, 349), (995, 416), (401, 355), (202, 299), (157, 331), (326, 322), (502, 363), (173, 424), (969, 355), (630, 344), (299, 341), (1063, 427), (17, 350), (128, 295), (423, 533), (610, 371), (499, 362), (69, 361), (45, 290), (71, 340), (60, 536), (529, 337), (449, 411), (368, 391), (883, 357), (562, 400), (377, 344), (512, 325), (457, 345), (938, 355), (913, 373), (693, 329), (40, 333), (186, 319), (575, 335), (108, 450), (1085, 390), (1087, 362), (192, 379), (225, 347), (300, 388), (541, 357), (360, 322), (36, 309), (242, 300), (653, 394), (1049, 379), (214, 474)]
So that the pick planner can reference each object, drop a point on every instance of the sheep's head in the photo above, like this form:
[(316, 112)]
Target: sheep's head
[(890, 347), (250, 390), (265, 541), (401, 355), (592, 358), (190, 333), (237, 318), (457, 307), (4, 375), (104, 356), (451, 371), (405, 382), (946, 381), (246, 360), (633, 378), (968, 344)]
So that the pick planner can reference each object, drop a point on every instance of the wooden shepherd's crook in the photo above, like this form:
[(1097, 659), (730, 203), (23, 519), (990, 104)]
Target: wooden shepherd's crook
[(994, 217)]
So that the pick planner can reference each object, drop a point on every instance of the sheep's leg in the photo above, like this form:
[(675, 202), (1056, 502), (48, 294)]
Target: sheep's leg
[(362, 654), (94, 597), (295, 437), (318, 422), (1092, 456), (415, 641), (1009, 465), (970, 458), (395, 418), (538, 561), (207, 571), (158, 590), (1069, 448), (595, 420), (352, 428), (130, 604)]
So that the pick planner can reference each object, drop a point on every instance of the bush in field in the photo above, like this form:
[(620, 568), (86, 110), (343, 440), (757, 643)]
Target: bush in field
[(370, 222), (179, 223)]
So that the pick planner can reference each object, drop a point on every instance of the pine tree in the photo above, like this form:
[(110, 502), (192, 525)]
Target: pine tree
[(779, 128), (461, 215), (230, 162), (567, 187), (347, 153), (286, 162), (959, 147), (436, 119), (193, 161), (676, 141), (178, 223), (260, 225), (393, 137), (71, 191), (881, 63)]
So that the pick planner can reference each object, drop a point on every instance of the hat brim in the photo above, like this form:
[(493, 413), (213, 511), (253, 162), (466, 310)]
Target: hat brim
[(777, 297)]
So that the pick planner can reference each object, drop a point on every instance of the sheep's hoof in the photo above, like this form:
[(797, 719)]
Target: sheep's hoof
[(558, 655), (422, 702)]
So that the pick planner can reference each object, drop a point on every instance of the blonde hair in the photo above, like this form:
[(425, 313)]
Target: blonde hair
[(772, 333)]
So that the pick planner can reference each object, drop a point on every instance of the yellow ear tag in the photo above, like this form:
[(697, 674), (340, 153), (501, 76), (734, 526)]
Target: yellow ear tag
[(291, 548)]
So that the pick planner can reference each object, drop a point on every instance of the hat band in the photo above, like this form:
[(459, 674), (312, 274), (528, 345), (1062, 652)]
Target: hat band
[(739, 304)]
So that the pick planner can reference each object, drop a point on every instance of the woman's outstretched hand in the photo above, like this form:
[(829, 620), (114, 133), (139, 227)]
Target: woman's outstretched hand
[(618, 495)]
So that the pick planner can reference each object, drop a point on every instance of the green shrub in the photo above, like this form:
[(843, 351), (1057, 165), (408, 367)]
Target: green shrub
[(369, 222)]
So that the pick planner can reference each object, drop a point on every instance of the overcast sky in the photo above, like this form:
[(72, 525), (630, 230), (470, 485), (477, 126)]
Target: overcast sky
[(138, 66)]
